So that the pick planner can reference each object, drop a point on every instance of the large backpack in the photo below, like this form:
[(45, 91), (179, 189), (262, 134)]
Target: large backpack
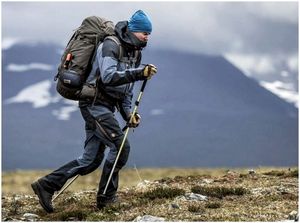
[(76, 61)]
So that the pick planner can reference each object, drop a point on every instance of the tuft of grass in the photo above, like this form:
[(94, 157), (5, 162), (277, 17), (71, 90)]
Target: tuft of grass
[(74, 215), (293, 173), (291, 197), (213, 205), (99, 216), (113, 208), (15, 206), (160, 192), (243, 175), (165, 180), (219, 192), (95, 217), (282, 173), (273, 197), (277, 173), (196, 208)]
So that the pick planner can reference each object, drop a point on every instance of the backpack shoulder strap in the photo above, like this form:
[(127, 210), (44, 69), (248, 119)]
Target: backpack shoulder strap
[(131, 60), (117, 41), (136, 55)]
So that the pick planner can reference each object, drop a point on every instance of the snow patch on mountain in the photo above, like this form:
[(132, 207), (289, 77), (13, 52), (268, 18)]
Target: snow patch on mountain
[(7, 43), (38, 94), (251, 63), (282, 90), (26, 67), (265, 65), (64, 113)]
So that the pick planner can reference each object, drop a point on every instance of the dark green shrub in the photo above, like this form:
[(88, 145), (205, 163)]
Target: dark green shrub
[(282, 173), (213, 205), (293, 173), (161, 192), (242, 175), (219, 192), (196, 208), (277, 173)]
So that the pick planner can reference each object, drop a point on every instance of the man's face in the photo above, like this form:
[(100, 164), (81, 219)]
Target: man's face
[(142, 36)]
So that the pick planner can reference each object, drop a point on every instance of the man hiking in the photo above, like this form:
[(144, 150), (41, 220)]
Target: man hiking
[(116, 67)]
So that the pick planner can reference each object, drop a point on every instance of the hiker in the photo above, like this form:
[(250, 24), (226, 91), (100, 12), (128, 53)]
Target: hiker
[(116, 75)]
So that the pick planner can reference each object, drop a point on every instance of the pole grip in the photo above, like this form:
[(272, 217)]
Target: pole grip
[(124, 128)]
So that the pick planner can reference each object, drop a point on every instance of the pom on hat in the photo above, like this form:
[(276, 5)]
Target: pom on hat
[(140, 22)]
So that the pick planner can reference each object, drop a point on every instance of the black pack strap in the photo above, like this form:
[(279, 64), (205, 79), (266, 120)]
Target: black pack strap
[(135, 58), (117, 41), (130, 60)]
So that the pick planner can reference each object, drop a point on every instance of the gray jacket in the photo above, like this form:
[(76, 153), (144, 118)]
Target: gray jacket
[(115, 74)]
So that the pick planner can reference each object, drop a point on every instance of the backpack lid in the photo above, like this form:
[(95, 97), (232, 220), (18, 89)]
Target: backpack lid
[(95, 24)]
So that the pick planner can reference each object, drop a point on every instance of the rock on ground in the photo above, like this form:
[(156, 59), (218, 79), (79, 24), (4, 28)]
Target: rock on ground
[(149, 218)]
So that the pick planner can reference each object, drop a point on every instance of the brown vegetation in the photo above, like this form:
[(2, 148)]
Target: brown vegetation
[(236, 195)]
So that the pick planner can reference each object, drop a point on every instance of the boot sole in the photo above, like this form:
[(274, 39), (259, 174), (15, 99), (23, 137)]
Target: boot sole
[(36, 190)]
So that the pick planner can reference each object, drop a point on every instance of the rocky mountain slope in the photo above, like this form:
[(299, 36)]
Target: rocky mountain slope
[(234, 195)]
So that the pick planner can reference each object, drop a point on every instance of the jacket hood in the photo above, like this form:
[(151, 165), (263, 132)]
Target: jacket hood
[(127, 37)]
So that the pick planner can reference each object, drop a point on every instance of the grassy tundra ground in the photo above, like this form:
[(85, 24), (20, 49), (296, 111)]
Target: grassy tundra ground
[(268, 194)]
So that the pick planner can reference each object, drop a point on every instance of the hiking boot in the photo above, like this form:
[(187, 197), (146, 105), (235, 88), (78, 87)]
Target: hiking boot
[(103, 201), (44, 196)]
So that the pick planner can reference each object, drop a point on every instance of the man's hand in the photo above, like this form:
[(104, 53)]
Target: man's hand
[(135, 121), (149, 71)]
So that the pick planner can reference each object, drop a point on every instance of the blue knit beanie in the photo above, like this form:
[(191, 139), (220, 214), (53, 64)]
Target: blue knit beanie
[(140, 22)]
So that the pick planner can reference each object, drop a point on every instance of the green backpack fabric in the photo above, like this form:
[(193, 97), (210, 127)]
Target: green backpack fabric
[(76, 61)]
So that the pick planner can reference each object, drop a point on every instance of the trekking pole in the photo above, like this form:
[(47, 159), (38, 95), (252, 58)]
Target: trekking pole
[(65, 187), (126, 133)]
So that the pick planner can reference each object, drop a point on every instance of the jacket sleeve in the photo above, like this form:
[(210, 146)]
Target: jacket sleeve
[(108, 64)]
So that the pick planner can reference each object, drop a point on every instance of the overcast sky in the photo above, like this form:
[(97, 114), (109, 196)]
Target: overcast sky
[(265, 32)]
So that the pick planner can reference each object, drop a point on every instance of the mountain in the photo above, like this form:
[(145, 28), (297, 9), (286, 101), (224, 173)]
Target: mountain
[(199, 110), (281, 78)]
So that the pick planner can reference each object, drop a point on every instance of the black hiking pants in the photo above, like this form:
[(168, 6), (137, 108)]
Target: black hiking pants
[(101, 131)]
